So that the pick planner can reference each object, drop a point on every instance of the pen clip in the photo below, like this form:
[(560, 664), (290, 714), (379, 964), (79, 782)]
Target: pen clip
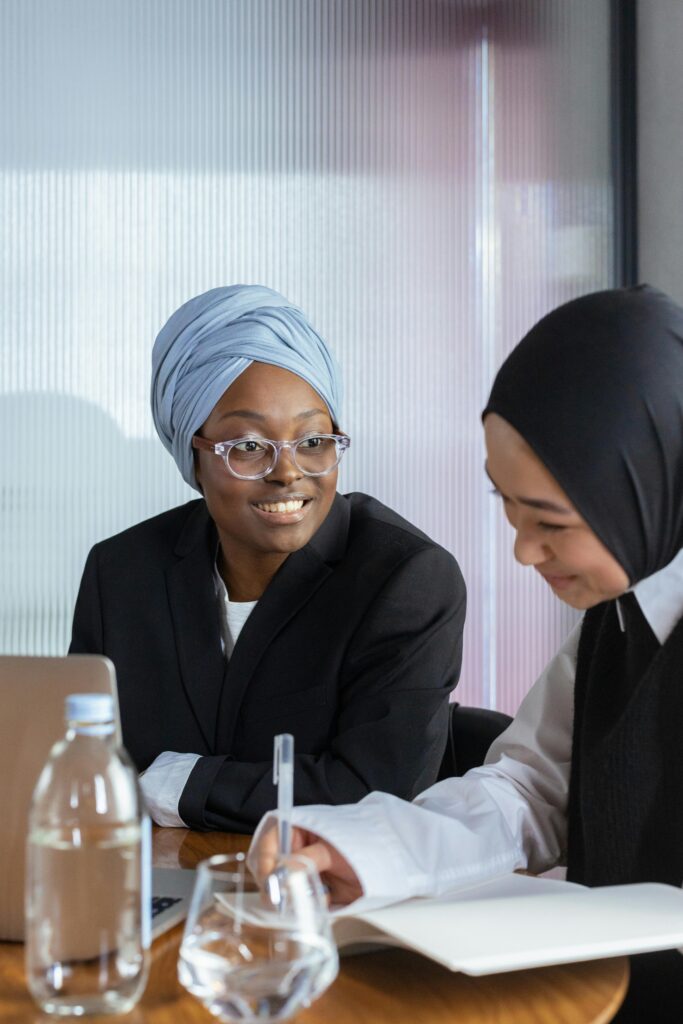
[(283, 753), (277, 758)]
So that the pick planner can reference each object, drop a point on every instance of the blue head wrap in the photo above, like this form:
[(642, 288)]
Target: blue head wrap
[(211, 340)]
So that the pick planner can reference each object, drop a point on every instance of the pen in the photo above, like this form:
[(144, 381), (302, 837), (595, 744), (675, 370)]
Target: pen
[(283, 777)]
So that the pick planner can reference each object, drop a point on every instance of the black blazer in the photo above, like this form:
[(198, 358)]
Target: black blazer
[(354, 648)]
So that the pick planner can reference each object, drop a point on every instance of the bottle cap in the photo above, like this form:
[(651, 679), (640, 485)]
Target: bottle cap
[(89, 708)]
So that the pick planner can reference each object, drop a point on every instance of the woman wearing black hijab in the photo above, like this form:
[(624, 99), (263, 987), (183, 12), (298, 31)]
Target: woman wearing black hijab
[(584, 433)]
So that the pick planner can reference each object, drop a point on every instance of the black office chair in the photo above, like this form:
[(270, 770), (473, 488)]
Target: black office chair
[(471, 731)]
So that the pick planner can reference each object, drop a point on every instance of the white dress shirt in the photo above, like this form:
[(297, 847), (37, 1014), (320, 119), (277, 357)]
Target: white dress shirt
[(164, 781), (511, 813)]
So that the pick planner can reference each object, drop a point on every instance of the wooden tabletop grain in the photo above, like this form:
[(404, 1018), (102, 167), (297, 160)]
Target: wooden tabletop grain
[(386, 987)]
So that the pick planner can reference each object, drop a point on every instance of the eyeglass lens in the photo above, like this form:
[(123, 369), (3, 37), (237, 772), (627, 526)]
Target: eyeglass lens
[(312, 455)]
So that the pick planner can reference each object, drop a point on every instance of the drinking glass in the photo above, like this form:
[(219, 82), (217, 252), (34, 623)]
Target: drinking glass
[(255, 951)]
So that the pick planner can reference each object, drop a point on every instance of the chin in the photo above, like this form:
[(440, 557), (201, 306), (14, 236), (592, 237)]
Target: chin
[(292, 546), (582, 602), (285, 545)]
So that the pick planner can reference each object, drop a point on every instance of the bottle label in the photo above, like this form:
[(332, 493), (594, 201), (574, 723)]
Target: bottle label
[(92, 728), (146, 880)]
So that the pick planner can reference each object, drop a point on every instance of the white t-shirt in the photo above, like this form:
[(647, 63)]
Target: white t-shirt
[(233, 615)]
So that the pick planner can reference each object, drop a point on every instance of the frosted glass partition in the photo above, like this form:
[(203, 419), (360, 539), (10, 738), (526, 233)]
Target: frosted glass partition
[(424, 177)]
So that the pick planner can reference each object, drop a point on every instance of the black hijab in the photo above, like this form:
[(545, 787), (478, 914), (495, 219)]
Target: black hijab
[(596, 390)]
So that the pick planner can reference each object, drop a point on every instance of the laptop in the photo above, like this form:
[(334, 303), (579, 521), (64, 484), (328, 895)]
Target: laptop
[(32, 692)]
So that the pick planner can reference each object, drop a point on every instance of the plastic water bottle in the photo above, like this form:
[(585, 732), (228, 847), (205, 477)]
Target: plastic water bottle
[(88, 868)]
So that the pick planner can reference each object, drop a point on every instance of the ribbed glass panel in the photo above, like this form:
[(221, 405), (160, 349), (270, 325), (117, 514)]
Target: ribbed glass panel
[(425, 178)]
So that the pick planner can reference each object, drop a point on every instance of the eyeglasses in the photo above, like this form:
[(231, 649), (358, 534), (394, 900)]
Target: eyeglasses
[(251, 458)]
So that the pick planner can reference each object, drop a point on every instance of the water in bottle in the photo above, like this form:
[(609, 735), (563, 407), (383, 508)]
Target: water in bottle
[(87, 880)]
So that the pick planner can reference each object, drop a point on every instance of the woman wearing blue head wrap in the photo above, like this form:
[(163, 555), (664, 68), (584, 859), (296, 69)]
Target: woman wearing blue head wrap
[(272, 603)]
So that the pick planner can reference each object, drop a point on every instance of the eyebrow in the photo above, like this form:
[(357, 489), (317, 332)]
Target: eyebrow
[(251, 414), (545, 506), (538, 503)]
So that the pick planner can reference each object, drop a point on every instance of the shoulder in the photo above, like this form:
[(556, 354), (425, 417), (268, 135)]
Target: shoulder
[(386, 535), (154, 537), (370, 516)]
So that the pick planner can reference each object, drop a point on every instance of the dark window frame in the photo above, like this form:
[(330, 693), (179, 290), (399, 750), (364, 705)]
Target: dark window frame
[(624, 139)]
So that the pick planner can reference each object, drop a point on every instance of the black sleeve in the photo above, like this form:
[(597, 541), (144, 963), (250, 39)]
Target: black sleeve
[(86, 632), (399, 669)]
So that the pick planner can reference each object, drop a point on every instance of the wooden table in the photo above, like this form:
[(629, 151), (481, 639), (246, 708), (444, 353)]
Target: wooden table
[(387, 987)]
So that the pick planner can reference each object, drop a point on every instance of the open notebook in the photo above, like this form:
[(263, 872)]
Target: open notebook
[(508, 924), (516, 922)]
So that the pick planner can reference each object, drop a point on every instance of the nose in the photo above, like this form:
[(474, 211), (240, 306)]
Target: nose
[(285, 471), (529, 549)]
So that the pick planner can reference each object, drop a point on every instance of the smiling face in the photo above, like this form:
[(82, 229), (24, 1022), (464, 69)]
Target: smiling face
[(260, 522), (551, 536)]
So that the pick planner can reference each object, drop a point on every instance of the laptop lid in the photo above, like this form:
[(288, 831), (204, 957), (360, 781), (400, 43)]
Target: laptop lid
[(32, 692)]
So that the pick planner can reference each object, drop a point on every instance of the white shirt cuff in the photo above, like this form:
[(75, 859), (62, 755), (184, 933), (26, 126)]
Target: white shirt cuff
[(163, 783), (400, 850)]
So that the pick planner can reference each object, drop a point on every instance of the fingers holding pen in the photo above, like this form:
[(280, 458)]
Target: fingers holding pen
[(264, 855), (337, 875)]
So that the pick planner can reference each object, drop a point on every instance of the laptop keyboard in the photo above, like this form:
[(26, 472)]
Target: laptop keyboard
[(161, 903)]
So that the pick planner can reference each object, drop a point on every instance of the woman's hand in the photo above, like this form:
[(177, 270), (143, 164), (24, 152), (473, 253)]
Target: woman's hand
[(339, 877)]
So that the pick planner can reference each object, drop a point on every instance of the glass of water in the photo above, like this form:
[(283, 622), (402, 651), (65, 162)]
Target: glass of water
[(257, 950)]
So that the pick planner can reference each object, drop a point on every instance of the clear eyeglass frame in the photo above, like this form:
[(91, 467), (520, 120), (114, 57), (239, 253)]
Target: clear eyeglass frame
[(223, 448)]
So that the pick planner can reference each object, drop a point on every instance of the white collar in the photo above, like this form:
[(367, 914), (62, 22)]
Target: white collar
[(660, 597)]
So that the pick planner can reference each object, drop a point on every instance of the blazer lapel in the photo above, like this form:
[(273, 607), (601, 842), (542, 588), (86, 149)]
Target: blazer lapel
[(194, 610), (293, 585)]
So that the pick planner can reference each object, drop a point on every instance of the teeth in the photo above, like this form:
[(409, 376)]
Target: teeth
[(281, 506)]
